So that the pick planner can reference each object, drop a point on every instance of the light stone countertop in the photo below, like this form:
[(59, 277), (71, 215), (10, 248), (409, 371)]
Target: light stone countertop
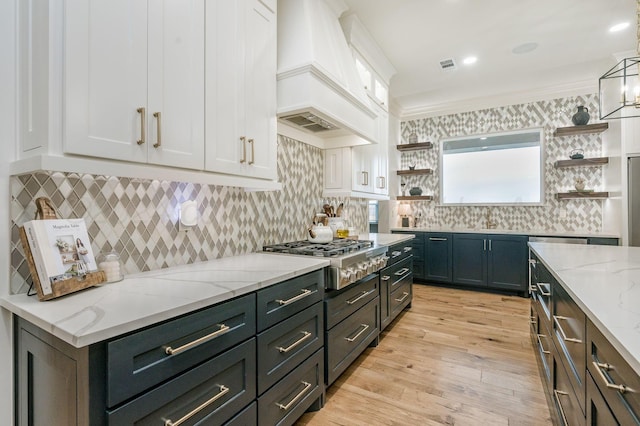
[(386, 239), (140, 300), (531, 232), (605, 283)]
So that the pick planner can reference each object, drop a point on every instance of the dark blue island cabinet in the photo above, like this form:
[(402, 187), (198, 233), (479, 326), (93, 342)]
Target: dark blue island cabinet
[(492, 261)]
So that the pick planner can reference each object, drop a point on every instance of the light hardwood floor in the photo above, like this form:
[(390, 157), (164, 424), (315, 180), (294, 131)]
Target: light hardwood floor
[(457, 357)]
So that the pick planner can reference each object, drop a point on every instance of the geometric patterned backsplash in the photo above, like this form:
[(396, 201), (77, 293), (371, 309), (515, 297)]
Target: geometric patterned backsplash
[(579, 214), (138, 218)]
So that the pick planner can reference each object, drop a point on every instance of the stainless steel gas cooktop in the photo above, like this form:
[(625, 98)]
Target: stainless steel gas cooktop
[(335, 248)]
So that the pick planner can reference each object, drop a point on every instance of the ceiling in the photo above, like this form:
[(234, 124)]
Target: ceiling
[(574, 48)]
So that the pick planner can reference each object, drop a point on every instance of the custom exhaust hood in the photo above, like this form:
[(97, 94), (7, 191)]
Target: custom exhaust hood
[(319, 90)]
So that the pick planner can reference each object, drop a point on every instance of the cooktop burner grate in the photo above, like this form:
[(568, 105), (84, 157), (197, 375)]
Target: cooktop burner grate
[(332, 249)]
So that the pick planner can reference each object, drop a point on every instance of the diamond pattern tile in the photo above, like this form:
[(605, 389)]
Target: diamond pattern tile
[(581, 215), (138, 218)]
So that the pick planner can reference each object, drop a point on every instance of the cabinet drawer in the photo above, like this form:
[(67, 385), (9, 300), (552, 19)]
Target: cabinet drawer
[(399, 274), (569, 336), (543, 345), (399, 252), (284, 403), (348, 339), (287, 344), (247, 417), (401, 296), (339, 305), (220, 388), (566, 404), (280, 301), (598, 412), (610, 371), (139, 361)]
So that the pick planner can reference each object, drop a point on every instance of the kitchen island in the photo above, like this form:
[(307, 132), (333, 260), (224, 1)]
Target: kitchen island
[(585, 326)]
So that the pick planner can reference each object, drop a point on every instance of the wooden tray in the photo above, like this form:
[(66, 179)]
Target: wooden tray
[(45, 210)]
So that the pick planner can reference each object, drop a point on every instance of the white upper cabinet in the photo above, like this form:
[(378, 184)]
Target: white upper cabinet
[(241, 88), (134, 80)]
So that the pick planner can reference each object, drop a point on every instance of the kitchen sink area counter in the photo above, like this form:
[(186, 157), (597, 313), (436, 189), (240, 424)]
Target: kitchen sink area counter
[(143, 299)]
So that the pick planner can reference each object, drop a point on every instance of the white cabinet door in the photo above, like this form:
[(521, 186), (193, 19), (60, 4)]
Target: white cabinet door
[(175, 116), (130, 68), (363, 173), (105, 78), (240, 88)]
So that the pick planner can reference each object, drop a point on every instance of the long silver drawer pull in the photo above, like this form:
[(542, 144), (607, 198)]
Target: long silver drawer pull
[(158, 116), (540, 343), (362, 295), (385, 278), (305, 293), (437, 239), (402, 271), (604, 366), (223, 391), (396, 253), (556, 319), (542, 292), (253, 152), (305, 336), (404, 296), (296, 398), (364, 328), (223, 329), (407, 249), (556, 395)]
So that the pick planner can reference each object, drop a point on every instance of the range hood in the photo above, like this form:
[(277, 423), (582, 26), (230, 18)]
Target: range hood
[(319, 90)]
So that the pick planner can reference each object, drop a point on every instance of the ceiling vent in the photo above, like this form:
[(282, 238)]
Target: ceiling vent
[(448, 64)]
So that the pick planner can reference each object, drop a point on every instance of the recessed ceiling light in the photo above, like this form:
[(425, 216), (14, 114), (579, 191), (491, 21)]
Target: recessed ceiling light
[(619, 27), (469, 60), (524, 48)]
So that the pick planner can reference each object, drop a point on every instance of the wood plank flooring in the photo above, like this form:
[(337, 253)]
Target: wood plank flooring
[(457, 357)]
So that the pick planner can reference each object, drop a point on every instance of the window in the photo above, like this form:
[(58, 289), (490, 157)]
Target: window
[(503, 168)]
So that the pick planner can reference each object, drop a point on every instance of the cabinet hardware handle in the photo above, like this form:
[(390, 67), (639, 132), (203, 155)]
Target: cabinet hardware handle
[(542, 292), (364, 328), (143, 120), (544, 351), (223, 391), (381, 182), (305, 336), (532, 262), (363, 294), (556, 395), (407, 249), (384, 182), (437, 239), (223, 329), (532, 288), (244, 149), (396, 253), (253, 152), (404, 296), (532, 320), (402, 271), (484, 245), (296, 398), (611, 385), (556, 320), (489, 245), (305, 293), (385, 278), (365, 178), (158, 117)]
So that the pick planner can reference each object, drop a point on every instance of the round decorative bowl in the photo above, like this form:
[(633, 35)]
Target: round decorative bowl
[(415, 191)]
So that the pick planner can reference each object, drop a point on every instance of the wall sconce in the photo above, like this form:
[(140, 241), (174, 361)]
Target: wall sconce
[(404, 210), (188, 215), (620, 90)]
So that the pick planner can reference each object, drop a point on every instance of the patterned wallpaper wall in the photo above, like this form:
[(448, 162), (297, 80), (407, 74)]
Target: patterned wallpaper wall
[(138, 218), (567, 215)]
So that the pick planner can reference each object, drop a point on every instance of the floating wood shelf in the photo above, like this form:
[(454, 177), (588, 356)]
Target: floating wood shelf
[(568, 195), (414, 146), (415, 172), (581, 130), (414, 197), (582, 162)]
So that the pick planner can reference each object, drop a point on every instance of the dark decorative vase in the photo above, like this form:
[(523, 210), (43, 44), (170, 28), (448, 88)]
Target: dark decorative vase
[(415, 191), (581, 117)]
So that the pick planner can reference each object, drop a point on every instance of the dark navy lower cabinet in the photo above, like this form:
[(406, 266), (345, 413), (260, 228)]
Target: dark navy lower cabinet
[(438, 257), (470, 259)]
